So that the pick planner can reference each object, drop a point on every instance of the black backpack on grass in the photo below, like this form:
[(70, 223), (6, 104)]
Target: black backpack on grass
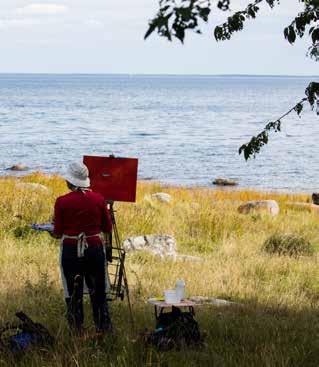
[(175, 330), (19, 337)]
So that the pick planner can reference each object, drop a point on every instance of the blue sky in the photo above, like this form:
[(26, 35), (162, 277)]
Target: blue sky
[(106, 36)]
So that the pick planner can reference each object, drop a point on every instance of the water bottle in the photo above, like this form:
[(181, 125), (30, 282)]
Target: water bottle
[(180, 289)]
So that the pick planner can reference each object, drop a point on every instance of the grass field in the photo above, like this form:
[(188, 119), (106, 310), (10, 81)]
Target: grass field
[(277, 324)]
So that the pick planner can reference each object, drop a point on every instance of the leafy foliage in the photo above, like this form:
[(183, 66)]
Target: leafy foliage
[(307, 19), (175, 17), (173, 20), (236, 22)]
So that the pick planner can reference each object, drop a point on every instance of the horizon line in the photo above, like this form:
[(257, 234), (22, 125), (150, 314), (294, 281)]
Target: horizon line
[(164, 74)]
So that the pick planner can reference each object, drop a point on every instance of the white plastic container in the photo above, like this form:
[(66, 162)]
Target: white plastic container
[(170, 296), (180, 289)]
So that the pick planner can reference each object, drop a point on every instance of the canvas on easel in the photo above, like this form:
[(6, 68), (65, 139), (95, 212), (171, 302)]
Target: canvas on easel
[(113, 177)]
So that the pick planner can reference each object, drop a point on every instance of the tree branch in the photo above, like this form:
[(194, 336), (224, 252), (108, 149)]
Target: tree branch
[(175, 17), (253, 147)]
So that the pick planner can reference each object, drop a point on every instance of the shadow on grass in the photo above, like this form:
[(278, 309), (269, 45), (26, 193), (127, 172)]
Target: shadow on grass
[(253, 335)]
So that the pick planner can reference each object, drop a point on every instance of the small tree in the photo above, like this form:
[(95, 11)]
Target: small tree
[(175, 17)]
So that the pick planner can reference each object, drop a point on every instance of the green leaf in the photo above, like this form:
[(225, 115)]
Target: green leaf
[(315, 35), (299, 108), (151, 29), (291, 35)]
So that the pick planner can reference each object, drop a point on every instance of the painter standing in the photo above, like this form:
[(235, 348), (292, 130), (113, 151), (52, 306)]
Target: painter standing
[(80, 220)]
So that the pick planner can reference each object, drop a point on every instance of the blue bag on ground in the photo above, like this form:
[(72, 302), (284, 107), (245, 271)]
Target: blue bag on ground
[(20, 337)]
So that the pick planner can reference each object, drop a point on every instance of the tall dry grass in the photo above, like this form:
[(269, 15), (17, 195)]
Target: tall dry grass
[(277, 324)]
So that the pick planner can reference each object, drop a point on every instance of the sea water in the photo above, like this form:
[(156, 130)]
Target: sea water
[(185, 130)]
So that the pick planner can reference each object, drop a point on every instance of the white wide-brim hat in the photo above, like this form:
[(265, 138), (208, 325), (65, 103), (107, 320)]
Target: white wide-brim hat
[(77, 174)]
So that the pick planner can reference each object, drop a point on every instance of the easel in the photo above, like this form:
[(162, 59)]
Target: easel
[(119, 285), (115, 178)]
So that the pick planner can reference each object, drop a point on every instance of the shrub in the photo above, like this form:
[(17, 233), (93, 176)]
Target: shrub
[(288, 244), (22, 231)]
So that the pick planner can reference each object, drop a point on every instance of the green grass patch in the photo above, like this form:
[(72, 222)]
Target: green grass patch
[(276, 323), (288, 245)]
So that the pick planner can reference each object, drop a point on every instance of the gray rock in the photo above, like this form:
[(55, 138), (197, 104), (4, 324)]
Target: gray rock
[(267, 206), (161, 245), (32, 186), (200, 300), (18, 167), (224, 182), (162, 197)]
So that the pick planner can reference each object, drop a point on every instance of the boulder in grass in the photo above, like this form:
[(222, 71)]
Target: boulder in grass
[(224, 182), (18, 167), (162, 197), (160, 245), (261, 206)]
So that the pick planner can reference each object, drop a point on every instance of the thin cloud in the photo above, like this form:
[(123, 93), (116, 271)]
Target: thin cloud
[(21, 23), (93, 23), (42, 9)]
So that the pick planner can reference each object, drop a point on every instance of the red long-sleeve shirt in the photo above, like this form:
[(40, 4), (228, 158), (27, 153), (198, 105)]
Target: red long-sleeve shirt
[(78, 212)]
